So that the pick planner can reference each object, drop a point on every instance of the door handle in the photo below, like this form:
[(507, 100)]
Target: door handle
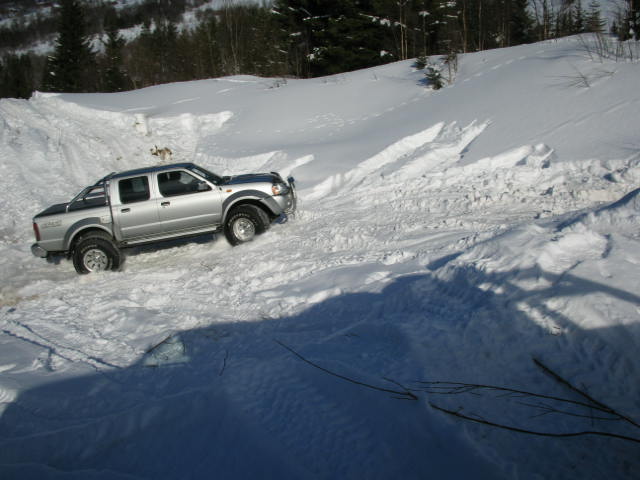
[(165, 204), (125, 210)]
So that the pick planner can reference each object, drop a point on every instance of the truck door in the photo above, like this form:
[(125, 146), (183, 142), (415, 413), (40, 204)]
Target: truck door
[(187, 203), (133, 209)]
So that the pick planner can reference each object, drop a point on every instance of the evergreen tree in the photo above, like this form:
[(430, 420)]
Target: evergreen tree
[(114, 77), (578, 18), (139, 63), (595, 23), (521, 23), (167, 53), (544, 18), (206, 48), (234, 34), (634, 19), (294, 34), (564, 19), (401, 21), (16, 77), (258, 55), (434, 77), (155, 56), (345, 42), (329, 36), (291, 37), (71, 68), (420, 63)]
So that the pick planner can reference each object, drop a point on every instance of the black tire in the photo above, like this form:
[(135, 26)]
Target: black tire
[(95, 251), (244, 223)]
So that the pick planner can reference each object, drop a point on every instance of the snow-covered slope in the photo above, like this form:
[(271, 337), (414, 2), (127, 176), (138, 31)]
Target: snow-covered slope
[(450, 235)]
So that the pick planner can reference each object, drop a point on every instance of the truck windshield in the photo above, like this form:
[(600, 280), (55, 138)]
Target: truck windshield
[(212, 177)]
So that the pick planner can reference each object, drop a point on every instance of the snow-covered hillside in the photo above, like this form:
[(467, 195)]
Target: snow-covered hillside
[(442, 236), (19, 16)]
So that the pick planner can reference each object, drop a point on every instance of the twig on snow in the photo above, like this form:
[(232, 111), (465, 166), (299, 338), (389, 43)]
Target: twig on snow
[(593, 405), (224, 362), (532, 432), (402, 395), (599, 405), (455, 388)]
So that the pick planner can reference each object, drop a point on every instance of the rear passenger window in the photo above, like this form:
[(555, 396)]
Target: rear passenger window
[(134, 189)]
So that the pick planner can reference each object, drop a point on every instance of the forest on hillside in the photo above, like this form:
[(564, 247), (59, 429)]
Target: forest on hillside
[(279, 38)]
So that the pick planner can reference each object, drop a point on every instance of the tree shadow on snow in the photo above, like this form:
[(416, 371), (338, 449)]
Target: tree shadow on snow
[(227, 401)]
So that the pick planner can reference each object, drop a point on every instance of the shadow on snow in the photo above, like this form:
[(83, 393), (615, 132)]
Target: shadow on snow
[(227, 401)]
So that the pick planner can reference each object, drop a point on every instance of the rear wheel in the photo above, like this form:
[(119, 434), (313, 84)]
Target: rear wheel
[(95, 252), (244, 223)]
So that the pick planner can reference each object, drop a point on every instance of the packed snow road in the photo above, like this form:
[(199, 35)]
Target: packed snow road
[(441, 236)]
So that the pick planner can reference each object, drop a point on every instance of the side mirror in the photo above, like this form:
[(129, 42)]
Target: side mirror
[(203, 187)]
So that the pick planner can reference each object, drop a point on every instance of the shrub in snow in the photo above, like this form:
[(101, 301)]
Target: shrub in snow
[(434, 77), (420, 63)]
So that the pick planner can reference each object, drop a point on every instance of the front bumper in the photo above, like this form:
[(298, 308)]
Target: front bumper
[(38, 251), (292, 197)]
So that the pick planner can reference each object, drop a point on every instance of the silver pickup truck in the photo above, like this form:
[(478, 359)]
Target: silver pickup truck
[(156, 204)]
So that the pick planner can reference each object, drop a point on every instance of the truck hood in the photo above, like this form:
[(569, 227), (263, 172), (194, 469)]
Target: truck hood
[(252, 178)]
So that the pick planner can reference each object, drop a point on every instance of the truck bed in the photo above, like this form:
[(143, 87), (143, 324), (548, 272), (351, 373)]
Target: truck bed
[(81, 205)]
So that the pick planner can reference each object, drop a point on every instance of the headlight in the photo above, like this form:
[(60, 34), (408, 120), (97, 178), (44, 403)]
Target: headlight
[(279, 189)]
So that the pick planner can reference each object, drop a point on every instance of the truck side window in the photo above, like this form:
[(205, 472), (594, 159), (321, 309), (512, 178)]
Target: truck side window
[(134, 189), (179, 183)]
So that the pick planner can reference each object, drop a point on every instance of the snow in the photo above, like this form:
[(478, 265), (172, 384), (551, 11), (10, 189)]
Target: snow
[(450, 235)]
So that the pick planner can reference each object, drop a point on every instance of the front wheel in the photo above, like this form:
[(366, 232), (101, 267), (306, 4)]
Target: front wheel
[(244, 223), (96, 252)]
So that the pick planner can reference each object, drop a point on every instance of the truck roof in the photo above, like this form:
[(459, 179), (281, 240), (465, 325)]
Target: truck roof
[(152, 169)]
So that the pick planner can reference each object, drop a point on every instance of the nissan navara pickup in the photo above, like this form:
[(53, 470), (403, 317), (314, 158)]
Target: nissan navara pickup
[(155, 204)]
